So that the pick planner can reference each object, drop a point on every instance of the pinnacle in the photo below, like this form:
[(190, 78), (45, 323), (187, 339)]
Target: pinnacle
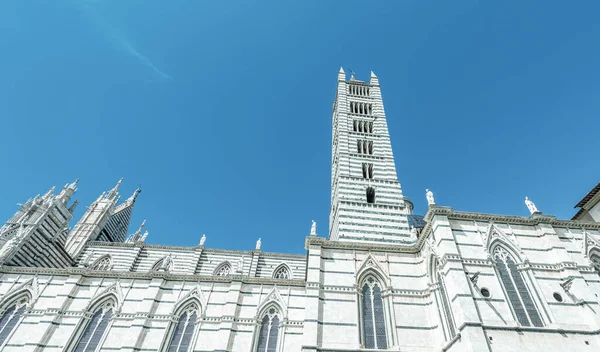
[(373, 75), (341, 70)]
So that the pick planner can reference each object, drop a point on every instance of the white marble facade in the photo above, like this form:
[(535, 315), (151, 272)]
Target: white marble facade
[(468, 282)]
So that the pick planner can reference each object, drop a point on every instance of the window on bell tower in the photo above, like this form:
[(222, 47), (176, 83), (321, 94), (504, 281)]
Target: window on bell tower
[(367, 170), (370, 195)]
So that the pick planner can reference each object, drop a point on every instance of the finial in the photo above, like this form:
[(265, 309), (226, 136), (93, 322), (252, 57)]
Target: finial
[(142, 226), (143, 239), (134, 195), (73, 206), (373, 75), (74, 184), (49, 193), (341, 70), (113, 192)]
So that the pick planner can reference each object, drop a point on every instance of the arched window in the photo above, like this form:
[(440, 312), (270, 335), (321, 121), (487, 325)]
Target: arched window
[(103, 263), (11, 316), (269, 331), (373, 317), (518, 296), (183, 331), (282, 272), (223, 270), (95, 329)]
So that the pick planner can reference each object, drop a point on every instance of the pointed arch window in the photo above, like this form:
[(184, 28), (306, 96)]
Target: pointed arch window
[(282, 272), (373, 317), (103, 263), (516, 290), (223, 270), (183, 331), (11, 317), (96, 328), (269, 331)]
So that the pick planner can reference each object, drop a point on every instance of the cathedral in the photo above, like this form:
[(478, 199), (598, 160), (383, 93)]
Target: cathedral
[(379, 278)]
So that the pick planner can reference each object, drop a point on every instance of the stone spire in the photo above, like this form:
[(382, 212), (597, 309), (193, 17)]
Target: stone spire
[(373, 80), (341, 75), (93, 222), (68, 191)]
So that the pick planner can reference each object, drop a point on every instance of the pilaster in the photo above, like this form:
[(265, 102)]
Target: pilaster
[(312, 333)]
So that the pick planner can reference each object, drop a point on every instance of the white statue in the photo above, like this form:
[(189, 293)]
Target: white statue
[(258, 243), (413, 233), (143, 239), (240, 265), (429, 195), (166, 263), (313, 228), (532, 208), (203, 239)]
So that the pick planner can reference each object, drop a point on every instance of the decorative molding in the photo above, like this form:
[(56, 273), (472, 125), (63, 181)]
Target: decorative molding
[(194, 293), (112, 289), (274, 297), (31, 285)]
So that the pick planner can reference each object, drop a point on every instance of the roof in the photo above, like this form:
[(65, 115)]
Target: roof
[(588, 196)]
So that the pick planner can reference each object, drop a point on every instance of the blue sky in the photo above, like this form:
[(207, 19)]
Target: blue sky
[(221, 110)]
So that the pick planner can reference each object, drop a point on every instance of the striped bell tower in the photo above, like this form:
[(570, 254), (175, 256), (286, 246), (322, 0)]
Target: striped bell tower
[(367, 204)]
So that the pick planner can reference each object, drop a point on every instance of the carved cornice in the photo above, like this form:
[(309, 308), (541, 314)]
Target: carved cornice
[(150, 275), (97, 244)]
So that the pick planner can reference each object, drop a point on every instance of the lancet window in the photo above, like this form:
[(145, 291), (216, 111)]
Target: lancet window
[(92, 336), (373, 317), (10, 318), (183, 331), (514, 284), (269, 331)]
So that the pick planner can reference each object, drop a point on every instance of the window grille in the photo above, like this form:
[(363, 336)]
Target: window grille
[(373, 317), (223, 270), (282, 273), (269, 331), (103, 263), (95, 329), (516, 290), (11, 317), (184, 330)]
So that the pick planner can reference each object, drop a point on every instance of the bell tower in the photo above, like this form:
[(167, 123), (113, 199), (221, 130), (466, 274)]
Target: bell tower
[(367, 204)]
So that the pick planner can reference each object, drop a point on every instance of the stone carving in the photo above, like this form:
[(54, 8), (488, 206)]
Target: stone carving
[(413, 233), (258, 243), (429, 195), (202, 239), (166, 263), (532, 208), (313, 228)]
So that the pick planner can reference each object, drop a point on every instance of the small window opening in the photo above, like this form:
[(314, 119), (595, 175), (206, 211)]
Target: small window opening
[(355, 125), (370, 195), (558, 297)]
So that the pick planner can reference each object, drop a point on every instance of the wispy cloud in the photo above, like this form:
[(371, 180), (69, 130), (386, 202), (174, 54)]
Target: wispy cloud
[(122, 43)]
